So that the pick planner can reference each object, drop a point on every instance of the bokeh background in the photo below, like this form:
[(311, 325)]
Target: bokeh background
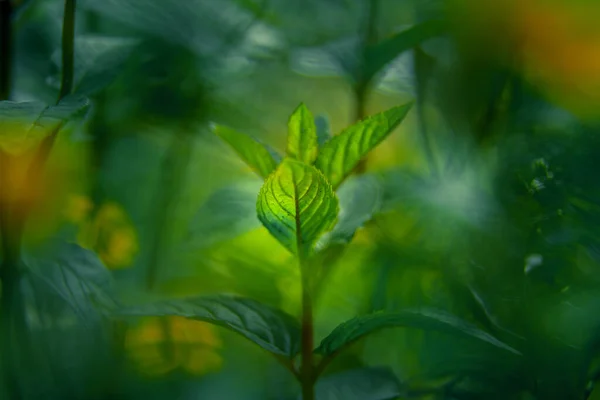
[(486, 200)]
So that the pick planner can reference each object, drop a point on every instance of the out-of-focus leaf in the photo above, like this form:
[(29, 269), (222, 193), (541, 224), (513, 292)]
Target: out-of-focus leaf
[(252, 152), (359, 384), (76, 275), (323, 129), (340, 155), (427, 319), (268, 327), (360, 200), (98, 61), (227, 213), (24, 124), (297, 205), (302, 135), (381, 54)]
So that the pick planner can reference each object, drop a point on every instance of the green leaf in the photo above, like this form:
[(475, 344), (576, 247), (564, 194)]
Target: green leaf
[(268, 327), (75, 275), (338, 157), (252, 152), (359, 384), (379, 55), (228, 212), (427, 319), (302, 135), (297, 205), (25, 124), (360, 199), (323, 129)]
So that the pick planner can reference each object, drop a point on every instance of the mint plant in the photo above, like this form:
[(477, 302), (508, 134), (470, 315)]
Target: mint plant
[(299, 206)]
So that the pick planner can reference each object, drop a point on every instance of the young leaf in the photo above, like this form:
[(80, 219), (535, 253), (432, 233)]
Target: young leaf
[(381, 54), (228, 212), (268, 327), (323, 129), (359, 384), (427, 319), (297, 205), (253, 153), (338, 157), (302, 135), (24, 124), (360, 199)]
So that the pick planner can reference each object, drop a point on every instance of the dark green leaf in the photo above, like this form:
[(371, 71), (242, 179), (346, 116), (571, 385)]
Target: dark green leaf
[(297, 205), (360, 199), (338, 157), (428, 319), (227, 213), (302, 135), (381, 54), (268, 327), (24, 124), (252, 152), (359, 384)]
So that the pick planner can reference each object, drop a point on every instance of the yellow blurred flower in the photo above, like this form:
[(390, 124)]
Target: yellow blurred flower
[(160, 345), (108, 231)]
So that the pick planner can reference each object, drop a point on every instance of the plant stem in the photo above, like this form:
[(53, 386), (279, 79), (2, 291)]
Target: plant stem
[(307, 376), (68, 49)]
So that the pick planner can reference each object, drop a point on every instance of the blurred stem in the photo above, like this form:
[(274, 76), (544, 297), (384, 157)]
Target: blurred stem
[(422, 67), (361, 88), (68, 49), (307, 373)]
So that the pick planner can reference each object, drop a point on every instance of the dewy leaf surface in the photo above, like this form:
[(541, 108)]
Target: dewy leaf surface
[(268, 327), (297, 205), (302, 135), (427, 319), (252, 152), (338, 157)]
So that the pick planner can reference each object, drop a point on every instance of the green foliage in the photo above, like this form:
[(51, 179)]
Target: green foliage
[(428, 319), (339, 156), (271, 329), (297, 205), (359, 384), (253, 153), (302, 137)]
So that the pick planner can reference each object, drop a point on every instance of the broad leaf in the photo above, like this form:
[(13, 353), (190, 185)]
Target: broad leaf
[(268, 327), (228, 212), (381, 54), (297, 205), (302, 135), (323, 129), (428, 319), (252, 152), (359, 384), (74, 274), (98, 61), (24, 124), (338, 157), (360, 199)]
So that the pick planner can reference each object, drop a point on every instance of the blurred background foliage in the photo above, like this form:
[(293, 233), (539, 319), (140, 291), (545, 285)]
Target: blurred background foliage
[(486, 200)]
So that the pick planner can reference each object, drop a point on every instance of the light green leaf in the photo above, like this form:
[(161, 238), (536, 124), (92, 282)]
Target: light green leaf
[(297, 205), (268, 327), (25, 124), (359, 384), (360, 199), (302, 135), (379, 55), (323, 129), (228, 212), (427, 319), (338, 157), (252, 152)]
